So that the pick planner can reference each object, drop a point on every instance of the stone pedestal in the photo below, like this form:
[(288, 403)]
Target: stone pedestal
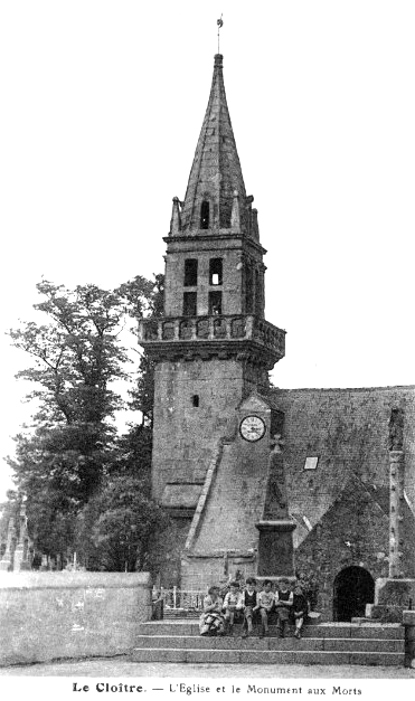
[(275, 547), (21, 562)]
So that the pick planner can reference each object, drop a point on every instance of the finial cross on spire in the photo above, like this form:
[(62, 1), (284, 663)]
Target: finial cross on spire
[(219, 22)]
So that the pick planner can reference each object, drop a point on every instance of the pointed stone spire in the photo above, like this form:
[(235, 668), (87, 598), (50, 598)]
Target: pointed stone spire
[(216, 172)]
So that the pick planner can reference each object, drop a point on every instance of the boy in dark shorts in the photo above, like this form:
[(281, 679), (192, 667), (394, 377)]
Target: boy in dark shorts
[(250, 604), (283, 603)]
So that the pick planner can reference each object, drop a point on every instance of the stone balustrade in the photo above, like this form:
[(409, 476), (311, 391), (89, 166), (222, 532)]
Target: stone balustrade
[(237, 327)]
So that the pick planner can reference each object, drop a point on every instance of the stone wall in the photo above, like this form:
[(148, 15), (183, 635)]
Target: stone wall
[(354, 532), (46, 616), (342, 507), (167, 550), (347, 429), (229, 251), (185, 436), (237, 499), (392, 598), (234, 504)]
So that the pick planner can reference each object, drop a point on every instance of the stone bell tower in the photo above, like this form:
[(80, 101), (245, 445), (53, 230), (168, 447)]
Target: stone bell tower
[(212, 347)]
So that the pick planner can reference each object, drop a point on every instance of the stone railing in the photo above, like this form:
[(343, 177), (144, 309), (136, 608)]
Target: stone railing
[(235, 327)]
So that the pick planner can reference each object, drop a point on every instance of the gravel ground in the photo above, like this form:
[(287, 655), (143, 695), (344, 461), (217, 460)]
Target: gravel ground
[(123, 667)]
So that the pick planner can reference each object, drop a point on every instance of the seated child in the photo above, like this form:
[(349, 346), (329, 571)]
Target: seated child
[(283, 602), (250, 605), (232, 604), (299, 609), (212, 620), (265, 604)]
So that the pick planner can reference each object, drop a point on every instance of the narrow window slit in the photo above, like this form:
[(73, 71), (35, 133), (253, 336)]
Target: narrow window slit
[(204, 215), (215, 271)]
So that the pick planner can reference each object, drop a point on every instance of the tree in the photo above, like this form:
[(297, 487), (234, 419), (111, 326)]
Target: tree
[(131, 454), (77, 355), (142, 396), (49, 470), (117, 526)]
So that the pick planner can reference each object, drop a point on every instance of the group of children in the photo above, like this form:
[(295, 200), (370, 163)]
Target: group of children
[(219, 614)]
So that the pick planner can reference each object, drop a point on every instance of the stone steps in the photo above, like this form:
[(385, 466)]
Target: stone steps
[(265, 657), (325, 644), (324, 630), (191, 642)]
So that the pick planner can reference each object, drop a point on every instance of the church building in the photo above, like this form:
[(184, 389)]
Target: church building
[(258, 480)]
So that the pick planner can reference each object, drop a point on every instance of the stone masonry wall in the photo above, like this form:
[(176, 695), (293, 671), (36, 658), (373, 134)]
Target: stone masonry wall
[(167, 552), (185, 437), (232, 249), (234, 505), (353, 532), (199, 573), (232, 298), (347, 429), (237, 499), (345, 500), (46, 616)]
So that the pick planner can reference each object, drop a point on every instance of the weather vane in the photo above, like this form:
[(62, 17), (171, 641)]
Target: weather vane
[(219, 22)]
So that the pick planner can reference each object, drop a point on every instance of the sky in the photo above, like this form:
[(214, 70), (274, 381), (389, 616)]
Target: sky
[(102, 103)]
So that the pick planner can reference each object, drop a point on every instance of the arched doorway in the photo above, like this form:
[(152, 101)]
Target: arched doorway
[(353, 588)]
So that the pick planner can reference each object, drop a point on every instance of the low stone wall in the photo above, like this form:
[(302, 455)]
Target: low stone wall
[(392, 597), (45, 616)]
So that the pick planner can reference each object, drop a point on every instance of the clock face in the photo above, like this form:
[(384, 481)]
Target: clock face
[(252, 428)]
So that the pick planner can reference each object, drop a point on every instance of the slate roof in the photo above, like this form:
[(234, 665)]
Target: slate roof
[(216, 171), (347, 429)]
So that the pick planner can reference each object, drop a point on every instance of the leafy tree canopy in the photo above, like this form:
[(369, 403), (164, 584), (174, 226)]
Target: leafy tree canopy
[(118, 525), (77, 353), (72, 454)]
